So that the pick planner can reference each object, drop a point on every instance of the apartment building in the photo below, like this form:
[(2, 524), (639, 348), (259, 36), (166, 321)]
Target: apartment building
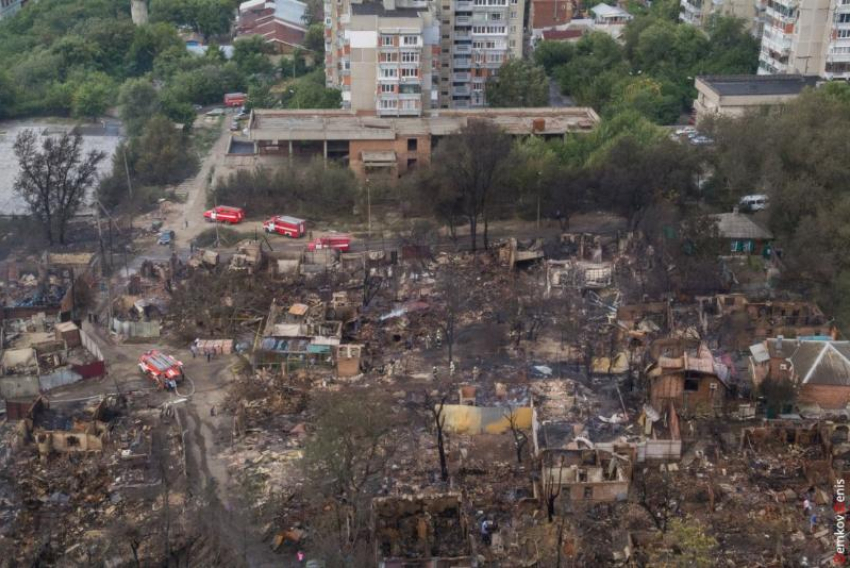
[(699, 12), (9, 7), (477, 37), (383, 55), (806, 37), (403, 57)]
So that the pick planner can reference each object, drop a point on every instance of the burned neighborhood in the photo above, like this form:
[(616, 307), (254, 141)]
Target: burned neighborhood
[(410, 284)]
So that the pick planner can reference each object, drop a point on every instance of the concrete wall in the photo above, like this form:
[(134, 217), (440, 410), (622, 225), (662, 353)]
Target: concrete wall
[(422, 154), (462, 419)]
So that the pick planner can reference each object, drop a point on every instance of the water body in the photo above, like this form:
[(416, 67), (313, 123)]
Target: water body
[(104, 136)]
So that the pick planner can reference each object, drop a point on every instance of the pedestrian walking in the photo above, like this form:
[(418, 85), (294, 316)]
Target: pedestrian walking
[(209, 355), (185, 223)]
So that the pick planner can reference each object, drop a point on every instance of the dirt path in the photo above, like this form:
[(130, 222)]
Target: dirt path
[(187, 219)]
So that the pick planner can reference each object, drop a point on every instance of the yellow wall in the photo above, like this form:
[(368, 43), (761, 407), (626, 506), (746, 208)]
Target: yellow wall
[(462, 419)]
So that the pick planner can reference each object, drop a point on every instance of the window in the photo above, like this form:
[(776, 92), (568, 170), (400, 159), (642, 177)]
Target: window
[(588, 492), (391, 73), (842, 18), (479, 29), (496, 16), (410, 40), (410, 57), (513, 43), (411, 144), (389, 57), (407, 73), (691, 384), (513, 29), (386, 41), (387, 88), (387, 104), (513, 14)]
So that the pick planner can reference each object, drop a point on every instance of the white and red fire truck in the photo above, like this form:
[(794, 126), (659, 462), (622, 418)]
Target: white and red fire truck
[(339, 242), (285, 225), (161, 368), (225, 214)]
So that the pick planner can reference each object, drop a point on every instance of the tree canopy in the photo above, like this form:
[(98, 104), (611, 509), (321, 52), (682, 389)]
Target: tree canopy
[(518, 84), (653, 72)]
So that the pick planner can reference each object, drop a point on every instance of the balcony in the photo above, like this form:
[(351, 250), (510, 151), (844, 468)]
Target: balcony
[(463, 5), (461, 77), (463, 20), (465, 34), (776, 40), (461, 91), (462, 49), (462, 64)]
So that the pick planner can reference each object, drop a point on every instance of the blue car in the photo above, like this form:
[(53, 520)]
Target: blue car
[(166, 238)]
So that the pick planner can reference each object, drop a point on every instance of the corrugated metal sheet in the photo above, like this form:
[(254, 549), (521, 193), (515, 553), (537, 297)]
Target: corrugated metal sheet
[(58, 378), (136, 328)]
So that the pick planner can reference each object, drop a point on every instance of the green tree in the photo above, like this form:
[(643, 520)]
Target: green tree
[(139, 101), (161, 155), (692, 548), (518, 84), (251, 56), (7, 95), (314, 40), (92, 96), (309, 91), (551, 54), (149, 41), (260, 96)]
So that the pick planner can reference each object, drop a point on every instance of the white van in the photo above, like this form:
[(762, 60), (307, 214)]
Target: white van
[(754, 202)]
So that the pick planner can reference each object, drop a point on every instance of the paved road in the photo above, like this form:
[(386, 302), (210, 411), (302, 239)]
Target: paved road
[(556, 99)]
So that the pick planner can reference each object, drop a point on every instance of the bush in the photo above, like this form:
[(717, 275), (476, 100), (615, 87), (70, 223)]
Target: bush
[(316, 191)]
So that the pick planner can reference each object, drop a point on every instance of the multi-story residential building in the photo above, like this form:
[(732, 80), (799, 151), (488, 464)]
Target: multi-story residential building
[(699, 12), (9, 7), (403, 57), (280, 22), (806, 37), (477, 37), (383, 55)]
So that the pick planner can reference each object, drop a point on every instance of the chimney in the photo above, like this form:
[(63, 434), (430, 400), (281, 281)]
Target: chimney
[(778, 345)]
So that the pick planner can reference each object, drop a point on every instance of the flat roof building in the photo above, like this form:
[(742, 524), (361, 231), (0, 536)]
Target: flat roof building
[(385, 146), (734, 95)]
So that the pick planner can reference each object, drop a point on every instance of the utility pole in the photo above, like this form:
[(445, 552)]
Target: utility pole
[(539, 175), (127, 171), (369, 207)]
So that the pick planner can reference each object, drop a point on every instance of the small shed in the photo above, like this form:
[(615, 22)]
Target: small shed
[(68, 332)]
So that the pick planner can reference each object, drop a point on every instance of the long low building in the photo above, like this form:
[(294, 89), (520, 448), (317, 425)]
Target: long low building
[(383, 146), (736, 95)]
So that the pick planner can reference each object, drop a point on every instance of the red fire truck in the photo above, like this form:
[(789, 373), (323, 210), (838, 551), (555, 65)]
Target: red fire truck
[(285, 225), (225, 214), (235, 99), (339, 242), (161, 368)]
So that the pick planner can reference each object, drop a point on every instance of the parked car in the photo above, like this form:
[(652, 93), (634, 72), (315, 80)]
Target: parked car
[(339, 242), (285, 225), (166, 237), (225, 214), (758, 202)]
